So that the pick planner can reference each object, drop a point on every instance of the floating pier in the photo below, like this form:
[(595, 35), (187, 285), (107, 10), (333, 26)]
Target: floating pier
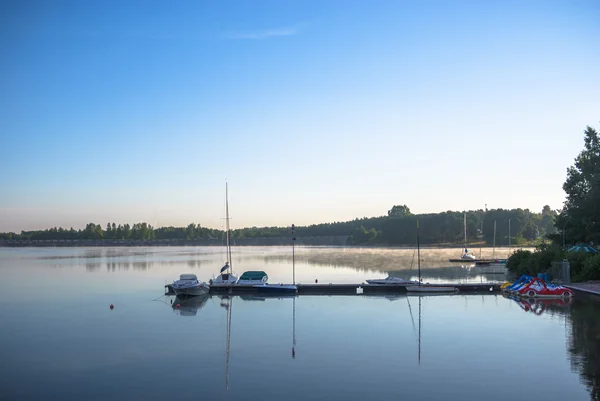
[(343, 289)]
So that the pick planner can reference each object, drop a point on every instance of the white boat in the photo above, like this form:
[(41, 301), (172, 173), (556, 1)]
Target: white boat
[(253, 278), (466, 256), (392, 280), (226, 277), (188, 284), (276, 288), (431, 288)]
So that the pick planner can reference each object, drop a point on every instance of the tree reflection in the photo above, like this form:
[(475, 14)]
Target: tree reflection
[(584, 343)]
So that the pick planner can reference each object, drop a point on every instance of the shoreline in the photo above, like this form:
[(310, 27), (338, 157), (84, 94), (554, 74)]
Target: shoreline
[(337, 241)]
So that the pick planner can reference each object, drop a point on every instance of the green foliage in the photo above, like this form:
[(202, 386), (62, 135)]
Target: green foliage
[(399, 211), (584, 266), (580, 217), (532, 263), (520, 262), (363, 236), (590, 269), (577, 262)]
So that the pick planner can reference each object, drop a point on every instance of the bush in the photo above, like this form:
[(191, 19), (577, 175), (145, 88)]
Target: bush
[(519, 262), (584, 266), (532, 263), (590, 269), (577, 261)]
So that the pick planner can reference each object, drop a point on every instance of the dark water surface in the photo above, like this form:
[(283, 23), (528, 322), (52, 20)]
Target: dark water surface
[(60, 340)]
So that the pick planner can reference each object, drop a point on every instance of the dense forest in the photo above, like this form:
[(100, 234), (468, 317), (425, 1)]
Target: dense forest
[(397, 227)]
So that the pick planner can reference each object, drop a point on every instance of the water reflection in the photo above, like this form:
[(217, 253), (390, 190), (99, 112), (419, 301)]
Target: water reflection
[(538, 306), (584, 343), (582, 320), (189, 306)]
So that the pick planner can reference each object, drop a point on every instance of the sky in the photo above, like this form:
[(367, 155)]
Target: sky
[(312, 111)]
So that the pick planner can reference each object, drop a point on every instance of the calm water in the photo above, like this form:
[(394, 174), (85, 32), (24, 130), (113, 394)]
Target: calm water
[(60, 339)]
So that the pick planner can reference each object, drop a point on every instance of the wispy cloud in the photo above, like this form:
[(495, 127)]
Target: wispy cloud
[(267, 33)]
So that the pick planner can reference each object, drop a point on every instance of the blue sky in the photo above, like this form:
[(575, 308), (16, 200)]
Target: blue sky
[(312, 110)]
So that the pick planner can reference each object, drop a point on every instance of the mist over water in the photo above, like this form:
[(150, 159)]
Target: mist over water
[(59, 333)]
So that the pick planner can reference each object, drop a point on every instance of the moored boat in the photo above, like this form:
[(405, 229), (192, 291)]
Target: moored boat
[(188, 284), (276, 288), (253, 278), (226, 277), (427, 288), (392, 280), (431, 288)]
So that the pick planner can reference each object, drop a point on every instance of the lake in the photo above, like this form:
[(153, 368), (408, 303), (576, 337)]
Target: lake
[(60, 340)]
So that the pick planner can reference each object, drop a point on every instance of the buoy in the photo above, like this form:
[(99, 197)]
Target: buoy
[(112, 307), (316, 281), (177, 306)]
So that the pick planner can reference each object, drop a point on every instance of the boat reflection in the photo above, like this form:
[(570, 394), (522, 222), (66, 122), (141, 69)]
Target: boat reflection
[(538, 306), (190, 305), (227, 303)]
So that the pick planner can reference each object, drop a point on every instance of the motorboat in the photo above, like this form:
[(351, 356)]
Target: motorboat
[(253, 278), (392, 280), (189, 306), (188, 284)]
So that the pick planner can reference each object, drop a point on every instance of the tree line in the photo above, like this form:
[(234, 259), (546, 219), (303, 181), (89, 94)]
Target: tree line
[(397, 227)]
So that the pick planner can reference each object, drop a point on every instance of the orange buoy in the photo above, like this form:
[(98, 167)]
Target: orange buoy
[(112, 307)]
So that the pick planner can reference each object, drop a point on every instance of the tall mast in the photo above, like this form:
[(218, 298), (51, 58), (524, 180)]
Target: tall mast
[(465, 224), (509, 237), (294, 329), (419, 330), (227, 227), (418, 252), (228, 347), (494, 251)]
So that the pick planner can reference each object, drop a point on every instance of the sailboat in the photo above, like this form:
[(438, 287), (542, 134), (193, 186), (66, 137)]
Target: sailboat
[(420, 287), (226, 277), (494, 266), (466, 256)]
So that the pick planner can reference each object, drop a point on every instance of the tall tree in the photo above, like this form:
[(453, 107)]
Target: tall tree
[(399, 210), (580, 217)]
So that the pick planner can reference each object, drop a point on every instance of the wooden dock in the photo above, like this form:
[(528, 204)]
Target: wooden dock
[(346, 289)]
